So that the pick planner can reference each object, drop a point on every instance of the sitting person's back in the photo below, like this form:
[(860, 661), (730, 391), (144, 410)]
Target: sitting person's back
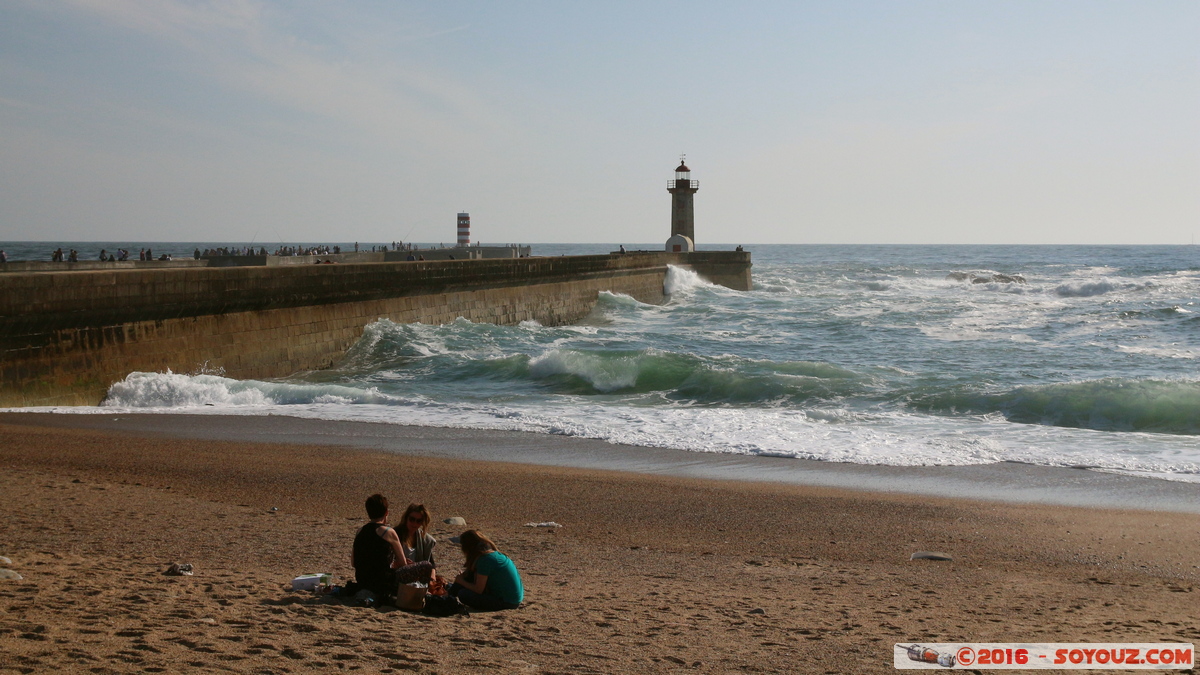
[(503, 579), (490, 580), (378, 558), (373, 555), (373, 559)]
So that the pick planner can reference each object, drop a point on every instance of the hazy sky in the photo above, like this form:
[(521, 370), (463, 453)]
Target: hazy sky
[(805, 122)]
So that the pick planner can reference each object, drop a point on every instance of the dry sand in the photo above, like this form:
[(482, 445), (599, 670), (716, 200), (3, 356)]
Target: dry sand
[(647, 574)]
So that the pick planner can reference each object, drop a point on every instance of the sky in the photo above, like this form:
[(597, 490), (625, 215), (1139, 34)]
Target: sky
[(915, 122)]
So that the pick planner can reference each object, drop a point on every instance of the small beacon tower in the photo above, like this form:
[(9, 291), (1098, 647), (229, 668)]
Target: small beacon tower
[(683, 215), (464, 229)]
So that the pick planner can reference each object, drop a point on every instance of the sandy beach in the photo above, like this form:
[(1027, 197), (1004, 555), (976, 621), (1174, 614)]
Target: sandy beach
[(648, 573)]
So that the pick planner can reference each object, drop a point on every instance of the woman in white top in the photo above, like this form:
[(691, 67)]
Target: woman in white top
[(418, 544)]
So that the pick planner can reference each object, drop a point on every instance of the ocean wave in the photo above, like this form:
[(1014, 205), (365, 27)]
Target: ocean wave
[(680, 280), (607, 300), (685, 377), (386, 346), (597, 371), (386, 343), (176, 390), (1087, 289), (1104, 405), (1171, 352), (1172, 312)]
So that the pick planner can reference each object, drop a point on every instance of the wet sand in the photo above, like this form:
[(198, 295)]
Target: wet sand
[(653, 571), (1005, 481)]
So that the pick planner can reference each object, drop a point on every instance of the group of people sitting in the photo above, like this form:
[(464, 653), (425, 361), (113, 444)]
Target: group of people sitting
[(386, 557)]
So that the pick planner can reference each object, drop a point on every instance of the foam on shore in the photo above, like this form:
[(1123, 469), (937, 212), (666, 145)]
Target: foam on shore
[(1004, 481)]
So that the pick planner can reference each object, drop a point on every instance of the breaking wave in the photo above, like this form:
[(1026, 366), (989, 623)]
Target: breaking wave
[(1104, 405), (175, 390), (680, 280)]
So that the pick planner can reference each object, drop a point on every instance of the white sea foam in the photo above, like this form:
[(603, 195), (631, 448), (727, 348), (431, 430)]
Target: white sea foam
[(1087, 289), (831, 435), (1170, 352), (177, 391), (622, 300), (680, 280)]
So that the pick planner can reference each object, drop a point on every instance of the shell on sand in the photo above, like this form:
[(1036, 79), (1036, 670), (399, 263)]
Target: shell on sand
[(929, 555)]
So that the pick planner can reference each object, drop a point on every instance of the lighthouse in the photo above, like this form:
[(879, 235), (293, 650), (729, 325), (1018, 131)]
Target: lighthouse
[(464, 229), (683, 215)]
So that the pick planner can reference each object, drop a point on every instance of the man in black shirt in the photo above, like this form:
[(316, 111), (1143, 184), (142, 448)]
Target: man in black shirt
[(378, 558)]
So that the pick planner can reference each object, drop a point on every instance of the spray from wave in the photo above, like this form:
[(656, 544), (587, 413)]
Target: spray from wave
[(174, 390), (680, 280)]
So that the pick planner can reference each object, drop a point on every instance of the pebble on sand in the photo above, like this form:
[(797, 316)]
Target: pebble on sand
[(10, 575), (455, 521), (929, 555), (5, 560)]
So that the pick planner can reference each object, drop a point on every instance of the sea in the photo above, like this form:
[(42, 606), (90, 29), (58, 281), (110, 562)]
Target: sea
[(1084, 356)]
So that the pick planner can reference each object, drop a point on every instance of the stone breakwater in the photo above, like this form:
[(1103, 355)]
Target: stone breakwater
[(65, 337)]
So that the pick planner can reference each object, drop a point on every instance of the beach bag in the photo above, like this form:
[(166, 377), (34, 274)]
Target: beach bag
[(410, 597), (443, 605)]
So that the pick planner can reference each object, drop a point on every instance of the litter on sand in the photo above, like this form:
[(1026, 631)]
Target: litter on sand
[(309, 582)]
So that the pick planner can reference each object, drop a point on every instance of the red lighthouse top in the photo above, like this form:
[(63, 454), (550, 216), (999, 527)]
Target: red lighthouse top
[(683, 177)]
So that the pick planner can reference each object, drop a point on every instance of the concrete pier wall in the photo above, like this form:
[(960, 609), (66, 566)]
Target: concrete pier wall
[(65, 337)]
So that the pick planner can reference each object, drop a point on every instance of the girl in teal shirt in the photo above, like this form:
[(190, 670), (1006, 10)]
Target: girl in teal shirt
[(490, 580)]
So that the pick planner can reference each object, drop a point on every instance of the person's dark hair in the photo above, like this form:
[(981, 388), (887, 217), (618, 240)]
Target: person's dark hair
[(474, 544), (377, 506)]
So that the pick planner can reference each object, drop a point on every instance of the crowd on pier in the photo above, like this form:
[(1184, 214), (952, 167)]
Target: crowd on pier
[(287, 251), (121, 254), (145, 254)]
